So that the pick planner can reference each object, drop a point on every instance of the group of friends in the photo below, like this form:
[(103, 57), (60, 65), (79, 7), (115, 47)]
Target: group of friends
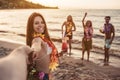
[(45, 54), (108, 30)]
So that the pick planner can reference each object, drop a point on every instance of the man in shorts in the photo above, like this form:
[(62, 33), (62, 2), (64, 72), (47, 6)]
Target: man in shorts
[(109, 32)]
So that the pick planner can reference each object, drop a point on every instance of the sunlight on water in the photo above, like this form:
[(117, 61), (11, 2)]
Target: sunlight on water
[(15, 21)]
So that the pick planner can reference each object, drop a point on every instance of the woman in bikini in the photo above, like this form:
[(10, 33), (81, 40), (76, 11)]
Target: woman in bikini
[(69, 28)]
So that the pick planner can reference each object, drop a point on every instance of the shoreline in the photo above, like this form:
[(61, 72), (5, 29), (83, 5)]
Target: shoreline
[(26, 8), (75, 43)]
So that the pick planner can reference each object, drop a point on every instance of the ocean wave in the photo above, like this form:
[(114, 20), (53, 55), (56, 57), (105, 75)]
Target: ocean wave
[(55, 29), (98, 36), (19, 34), (3, 23), (3, 31), (76, 44), (95, 49), (50, 22)]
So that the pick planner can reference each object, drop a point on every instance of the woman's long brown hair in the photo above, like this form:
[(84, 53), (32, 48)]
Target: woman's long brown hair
[(29, 37), (30, 30), (89, 22)]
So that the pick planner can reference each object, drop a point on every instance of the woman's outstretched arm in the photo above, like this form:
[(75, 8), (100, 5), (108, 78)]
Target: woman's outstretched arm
[(36, 46)]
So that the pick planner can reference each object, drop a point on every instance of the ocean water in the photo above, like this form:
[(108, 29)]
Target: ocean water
[(15, 21)]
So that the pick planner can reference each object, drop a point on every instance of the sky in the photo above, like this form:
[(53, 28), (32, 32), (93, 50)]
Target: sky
[(81, 4)]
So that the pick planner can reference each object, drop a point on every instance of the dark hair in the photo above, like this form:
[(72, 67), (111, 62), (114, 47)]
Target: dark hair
[(30, 30), (107, 17)]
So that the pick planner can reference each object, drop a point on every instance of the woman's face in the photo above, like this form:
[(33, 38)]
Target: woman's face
[(88, 23), (69, 18), (38, 24)]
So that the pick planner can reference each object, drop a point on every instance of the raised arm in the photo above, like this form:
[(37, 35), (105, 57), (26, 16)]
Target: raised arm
[(84, 19)]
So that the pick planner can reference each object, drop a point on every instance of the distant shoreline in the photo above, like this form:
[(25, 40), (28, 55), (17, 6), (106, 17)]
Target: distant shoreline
[(23, 4), (26, 8), (30, 8)]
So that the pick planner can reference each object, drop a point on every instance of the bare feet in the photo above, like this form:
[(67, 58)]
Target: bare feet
[(82, 58), (106, 64)]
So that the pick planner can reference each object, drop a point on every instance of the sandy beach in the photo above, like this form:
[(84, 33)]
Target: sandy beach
[(73, 68)]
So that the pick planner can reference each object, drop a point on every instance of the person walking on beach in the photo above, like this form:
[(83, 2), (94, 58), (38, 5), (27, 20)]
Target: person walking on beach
[(109, 31), (69, 28), (87, 39), (45, 53)]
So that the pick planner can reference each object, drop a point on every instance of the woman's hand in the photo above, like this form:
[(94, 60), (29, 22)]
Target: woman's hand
[(36, 46), (85, 14)]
